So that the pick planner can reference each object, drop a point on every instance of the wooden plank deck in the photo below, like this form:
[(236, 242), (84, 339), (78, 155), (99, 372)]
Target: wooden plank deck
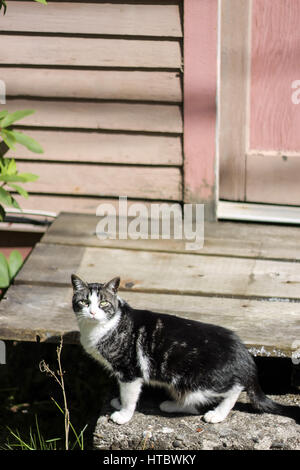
[(245, 278)]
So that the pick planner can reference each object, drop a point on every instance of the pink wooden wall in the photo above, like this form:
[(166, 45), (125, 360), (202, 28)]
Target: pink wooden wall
[(275, 119), (137, 143), (273, 161), (115, 95), (200, 84)]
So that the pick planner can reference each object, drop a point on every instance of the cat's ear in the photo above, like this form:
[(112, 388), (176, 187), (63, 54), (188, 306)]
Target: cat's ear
[(113, 285), (78, 284)]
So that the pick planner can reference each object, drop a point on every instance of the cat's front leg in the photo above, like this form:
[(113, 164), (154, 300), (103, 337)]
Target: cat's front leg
[(129, 394)]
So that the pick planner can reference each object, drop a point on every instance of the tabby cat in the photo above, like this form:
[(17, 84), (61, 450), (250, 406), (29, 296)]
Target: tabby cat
[(198, 363)]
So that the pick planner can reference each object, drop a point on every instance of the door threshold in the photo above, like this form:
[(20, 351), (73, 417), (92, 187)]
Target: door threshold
[(228, 210)]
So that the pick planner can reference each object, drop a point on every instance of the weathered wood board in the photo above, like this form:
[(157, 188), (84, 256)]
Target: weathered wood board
[(89, 180), (28, 313), (89, 52), (105, 81), (222, 238), (163, 272), (98, 147), (47, 314), (258, 298), (102, 84), (234, 57), (84, 18), (76, 205), (103, 115)]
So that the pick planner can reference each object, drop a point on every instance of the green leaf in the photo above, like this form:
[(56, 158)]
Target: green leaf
[(19, 190), (2, 213), (16, 116), (28, 142), (3, 4), (15, 204), (8, 200), (26, 177), (5, 197), (8, 178), (41, 1), (15, 262), (19, 178), (3, 114), (11, 167), (8, 138), (4, 272)]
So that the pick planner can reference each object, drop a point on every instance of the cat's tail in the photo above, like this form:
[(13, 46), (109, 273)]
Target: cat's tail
[(263, 404)]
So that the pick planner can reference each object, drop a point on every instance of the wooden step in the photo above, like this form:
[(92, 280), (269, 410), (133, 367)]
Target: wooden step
[(245, 278), (220, 239), (44, 313), (163, 272)]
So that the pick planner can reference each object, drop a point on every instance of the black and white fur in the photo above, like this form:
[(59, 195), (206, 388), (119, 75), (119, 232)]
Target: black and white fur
[(198, 363)]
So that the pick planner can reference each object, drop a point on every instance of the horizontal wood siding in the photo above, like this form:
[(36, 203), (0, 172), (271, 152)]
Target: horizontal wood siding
[(103, 116), (101, 19), (91, 180), (77, 204), (105, 83), (105, 147), (89, 52)]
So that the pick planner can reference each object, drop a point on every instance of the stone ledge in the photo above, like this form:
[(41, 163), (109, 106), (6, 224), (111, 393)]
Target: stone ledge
[(150, 429)]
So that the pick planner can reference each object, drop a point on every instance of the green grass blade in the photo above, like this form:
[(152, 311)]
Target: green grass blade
[(79, 439), (41, 440), (22, 443)]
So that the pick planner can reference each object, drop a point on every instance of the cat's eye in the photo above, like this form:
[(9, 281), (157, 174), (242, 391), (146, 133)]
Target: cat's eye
[(84, 303), (104, 303)]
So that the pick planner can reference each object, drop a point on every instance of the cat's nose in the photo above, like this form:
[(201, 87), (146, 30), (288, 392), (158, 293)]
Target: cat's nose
[(92, 313)]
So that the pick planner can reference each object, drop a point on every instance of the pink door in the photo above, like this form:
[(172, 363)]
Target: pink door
[(259, 99)]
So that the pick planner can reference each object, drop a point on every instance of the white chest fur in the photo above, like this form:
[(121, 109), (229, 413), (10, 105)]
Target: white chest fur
[(91, 335)]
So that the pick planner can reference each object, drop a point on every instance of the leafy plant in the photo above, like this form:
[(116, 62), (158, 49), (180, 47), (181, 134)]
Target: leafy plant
[(9, 268), (9, 175), (4, 5)]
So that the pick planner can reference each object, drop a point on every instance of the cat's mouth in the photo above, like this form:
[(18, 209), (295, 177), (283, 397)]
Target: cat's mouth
[(96, 318), (92, 316)]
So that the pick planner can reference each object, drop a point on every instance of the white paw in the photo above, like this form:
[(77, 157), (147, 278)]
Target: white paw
[(213, 416), (115, 403), (121, 417), (169, 406)]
